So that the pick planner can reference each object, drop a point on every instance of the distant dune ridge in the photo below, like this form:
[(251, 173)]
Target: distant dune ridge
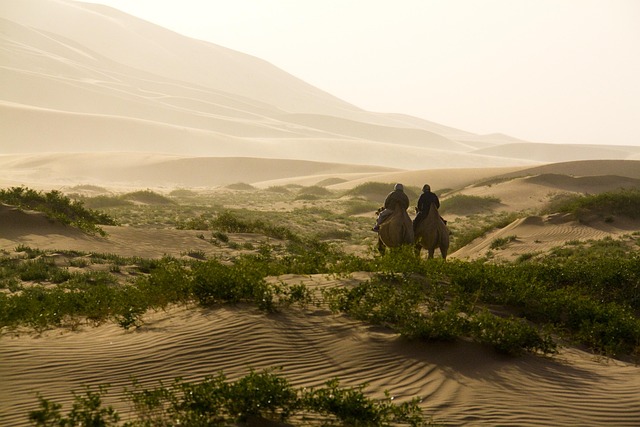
[(82, 77)]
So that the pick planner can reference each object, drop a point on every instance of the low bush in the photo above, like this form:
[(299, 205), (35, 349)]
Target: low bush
[(588, 299), (462, 204), (241, 186), (357, 207), (57, 206), (104, 202), (315, 190), (278, 189), (509, 335), (624, 202), (147, 197), (412, 312), (257, 397), (377, 191), (502, 242)]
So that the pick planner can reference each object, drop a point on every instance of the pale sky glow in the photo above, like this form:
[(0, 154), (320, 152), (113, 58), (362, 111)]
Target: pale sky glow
[(565, 71)]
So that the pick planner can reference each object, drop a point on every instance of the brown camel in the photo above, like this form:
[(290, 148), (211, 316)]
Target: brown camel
[(432, 233), (395, 231)]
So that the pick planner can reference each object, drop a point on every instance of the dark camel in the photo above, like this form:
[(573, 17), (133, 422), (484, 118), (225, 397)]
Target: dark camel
[(395, 231), (432, 233)]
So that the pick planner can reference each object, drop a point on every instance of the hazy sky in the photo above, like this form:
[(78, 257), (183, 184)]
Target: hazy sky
[(540, 70)]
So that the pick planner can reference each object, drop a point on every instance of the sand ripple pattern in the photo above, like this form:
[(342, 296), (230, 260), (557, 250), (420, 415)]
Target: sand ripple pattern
[(460, 383)]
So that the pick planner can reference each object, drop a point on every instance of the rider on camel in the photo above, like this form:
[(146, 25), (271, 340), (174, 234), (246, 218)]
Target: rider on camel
[(397, 199)]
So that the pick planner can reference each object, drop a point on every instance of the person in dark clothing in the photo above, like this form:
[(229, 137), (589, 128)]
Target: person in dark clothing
[(397, 199), (424, 204)]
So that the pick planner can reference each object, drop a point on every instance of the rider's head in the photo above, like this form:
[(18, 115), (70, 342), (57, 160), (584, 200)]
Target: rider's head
[(398, 187), (426, 188)]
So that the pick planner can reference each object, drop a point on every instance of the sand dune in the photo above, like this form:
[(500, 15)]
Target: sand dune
[(112, 82), (554, 153), (124, 169), (134, 170), (531, 189), (595, 168), (539, 234), (521, 187)]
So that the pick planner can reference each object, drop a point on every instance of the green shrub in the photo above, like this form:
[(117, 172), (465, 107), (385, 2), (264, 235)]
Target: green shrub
[(278, 189), (219, 235), (461, 204), (502, 242), (440, 325), (214, 282), (624, 202), (87, 410), (357, 207), (259, 397), (377, 191), (57, 206), (241, 186), (103, 202), (509, 335), (314, 190), (147, 197), (183, 192), (91, 188)]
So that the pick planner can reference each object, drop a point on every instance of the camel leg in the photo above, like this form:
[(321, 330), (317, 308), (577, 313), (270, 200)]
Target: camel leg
[(381, 246), (431, 251), (418, 248), (443, 251)]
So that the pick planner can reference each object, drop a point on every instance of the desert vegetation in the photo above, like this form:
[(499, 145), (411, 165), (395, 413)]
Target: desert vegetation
[(581, 293), (590, 294), (216, 401), (567, 296), (461, 204), (624, 202), (58, 207)]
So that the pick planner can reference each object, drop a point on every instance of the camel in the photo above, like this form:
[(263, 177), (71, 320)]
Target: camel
[(395, 231), (432, 233)]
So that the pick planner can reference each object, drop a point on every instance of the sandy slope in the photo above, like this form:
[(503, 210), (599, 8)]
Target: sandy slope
[(84, 77), (530, 189), (539, 234), (124, 169), (517, 185)]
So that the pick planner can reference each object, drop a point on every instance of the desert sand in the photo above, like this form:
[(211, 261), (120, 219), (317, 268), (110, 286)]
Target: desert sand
[(112, 82), (460, 383)]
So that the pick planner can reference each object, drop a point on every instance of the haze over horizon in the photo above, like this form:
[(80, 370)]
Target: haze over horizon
[(545, 71)]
